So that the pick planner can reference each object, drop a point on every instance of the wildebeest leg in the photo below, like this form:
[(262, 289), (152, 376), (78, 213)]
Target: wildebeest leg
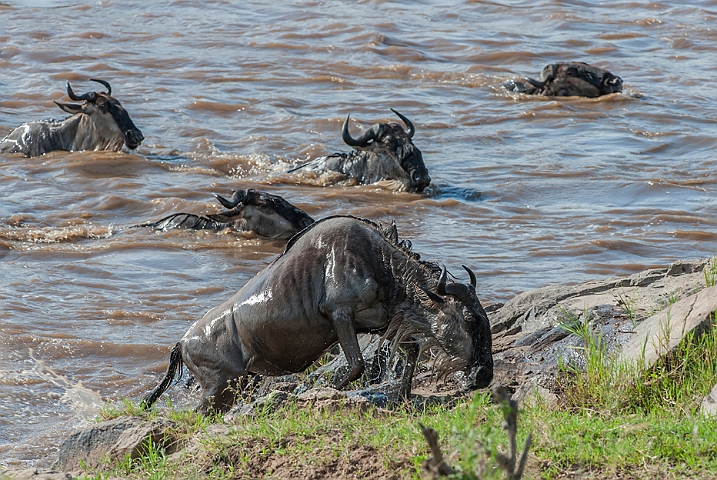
[(343, 321), (217, 372), (221, 397), (412, 351)]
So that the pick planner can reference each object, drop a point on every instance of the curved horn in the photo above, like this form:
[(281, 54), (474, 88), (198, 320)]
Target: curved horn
[(72, 95), (106, 84), (411, 129), (472, 275), (225, 203), (535, 83), (441, 287), (361, 141), (237, 197)]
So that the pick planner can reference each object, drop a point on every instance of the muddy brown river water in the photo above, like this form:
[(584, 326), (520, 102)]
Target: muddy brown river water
[(526, 191)]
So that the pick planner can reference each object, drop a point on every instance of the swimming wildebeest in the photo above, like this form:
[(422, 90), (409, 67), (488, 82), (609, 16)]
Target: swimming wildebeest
[(567, 80), (383, 152), (98, 123), (337, 278), (266, 214)]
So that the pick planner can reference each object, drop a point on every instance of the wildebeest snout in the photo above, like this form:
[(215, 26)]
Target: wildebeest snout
[(480, 376), (612, 84), (419, 180), (133, 138)]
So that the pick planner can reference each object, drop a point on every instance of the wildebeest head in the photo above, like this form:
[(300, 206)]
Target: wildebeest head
[(394, 147), (106, 111), (462, 329), (266, 214), (576, 79)]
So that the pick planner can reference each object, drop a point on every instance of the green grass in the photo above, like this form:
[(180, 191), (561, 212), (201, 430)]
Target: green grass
[(629, 305), (309, 437), (710, 272)]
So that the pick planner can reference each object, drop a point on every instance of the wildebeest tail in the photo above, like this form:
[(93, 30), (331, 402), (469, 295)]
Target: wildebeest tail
[(173, 370)]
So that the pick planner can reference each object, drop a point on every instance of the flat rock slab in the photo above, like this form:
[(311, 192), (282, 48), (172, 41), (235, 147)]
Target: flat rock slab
[(663, 332)]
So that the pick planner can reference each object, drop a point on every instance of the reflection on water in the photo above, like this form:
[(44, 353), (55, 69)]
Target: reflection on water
[(526, 191)]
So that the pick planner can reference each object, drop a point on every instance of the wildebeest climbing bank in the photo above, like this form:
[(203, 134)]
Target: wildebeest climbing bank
[(340, 277)]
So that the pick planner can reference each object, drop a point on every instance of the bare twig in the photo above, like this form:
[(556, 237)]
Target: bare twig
[(435, 465), (501, 396)]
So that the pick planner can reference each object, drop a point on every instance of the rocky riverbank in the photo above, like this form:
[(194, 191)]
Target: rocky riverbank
[(639, 318)]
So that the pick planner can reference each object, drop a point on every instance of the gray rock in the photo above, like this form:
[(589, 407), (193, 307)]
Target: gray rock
[(33, 474), (709, 404), (241, 409), (321, 393), (112, 440), (536, 309), (530, 393), (532, 333)]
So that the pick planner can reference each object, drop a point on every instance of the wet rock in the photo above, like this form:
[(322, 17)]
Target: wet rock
[(322, 393), (286, 383), (112, 440), (241, 409), (267, 403), (333, 400), (375, 354), (316, 397)]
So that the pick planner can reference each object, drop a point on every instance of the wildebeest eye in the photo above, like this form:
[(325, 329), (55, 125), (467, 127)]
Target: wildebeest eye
[(102, 105)]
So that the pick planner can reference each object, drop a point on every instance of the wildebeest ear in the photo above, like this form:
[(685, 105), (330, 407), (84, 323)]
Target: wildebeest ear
[(71, 108)]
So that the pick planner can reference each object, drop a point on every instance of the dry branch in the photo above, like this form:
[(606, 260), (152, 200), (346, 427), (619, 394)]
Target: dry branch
[(437, 466)]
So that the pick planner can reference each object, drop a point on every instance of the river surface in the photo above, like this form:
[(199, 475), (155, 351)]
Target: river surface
[(526, 191)]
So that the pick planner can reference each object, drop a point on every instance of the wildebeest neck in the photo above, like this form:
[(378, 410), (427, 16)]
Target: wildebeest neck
[(94, 133)]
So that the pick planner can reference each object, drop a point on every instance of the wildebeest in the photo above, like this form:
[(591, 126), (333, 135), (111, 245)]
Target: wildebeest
[(337, 278), (567, 80), (249, 210), (383, 152), (98, 123)]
